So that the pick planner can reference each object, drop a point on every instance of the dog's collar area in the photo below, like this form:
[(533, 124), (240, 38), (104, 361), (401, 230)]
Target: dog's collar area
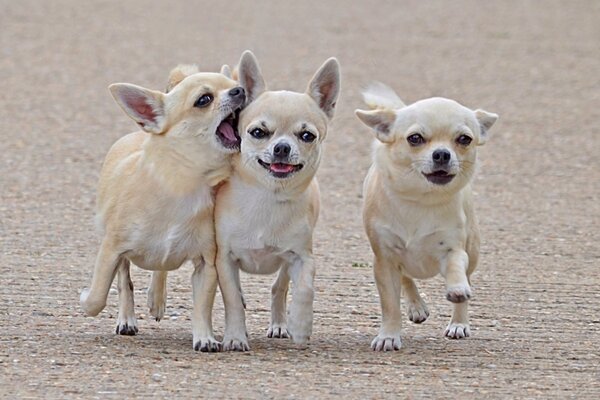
[(280, 170), (439, 177)]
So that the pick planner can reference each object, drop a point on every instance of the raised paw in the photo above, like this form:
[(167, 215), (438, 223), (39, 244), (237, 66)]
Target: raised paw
[(457, 331), (417, 312), (386, 343), (207, 345), (91, 307), (127, 328), (278, 331), (458, 294), (235, 344)]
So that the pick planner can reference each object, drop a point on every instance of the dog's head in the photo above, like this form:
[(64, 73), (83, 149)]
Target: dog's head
[(430, 144), (282, 132), (201, 107)]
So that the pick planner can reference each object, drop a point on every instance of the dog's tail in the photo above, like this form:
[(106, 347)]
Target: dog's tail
[(380, 96)]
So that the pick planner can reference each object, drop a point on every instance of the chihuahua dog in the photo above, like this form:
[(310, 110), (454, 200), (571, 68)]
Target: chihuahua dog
[(266, 212), (418, 208), (156, 193)]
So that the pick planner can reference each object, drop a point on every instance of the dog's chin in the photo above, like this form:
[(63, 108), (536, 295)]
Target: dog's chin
[(227, 134), (439, 177), (281, 170)]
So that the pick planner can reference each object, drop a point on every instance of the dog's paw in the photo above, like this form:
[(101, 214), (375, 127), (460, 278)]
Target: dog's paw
[(458, 294), (207, 345), (90, 307), (278, 331), (235, 344), (127, 328), (386, 343), (157, 310), (417, 312), (457, 331)]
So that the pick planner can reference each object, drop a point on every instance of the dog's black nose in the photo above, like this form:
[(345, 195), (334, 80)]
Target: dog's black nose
[(282, 150), (236, 91), (441, 156)]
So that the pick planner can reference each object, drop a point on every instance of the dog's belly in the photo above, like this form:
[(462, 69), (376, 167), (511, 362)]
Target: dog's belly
[(166, 252), (267, 260)]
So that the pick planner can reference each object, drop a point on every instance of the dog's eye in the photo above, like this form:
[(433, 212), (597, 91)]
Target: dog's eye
[(464, 140), (258, 133), (415, 139), (204, 100), (308, 137)]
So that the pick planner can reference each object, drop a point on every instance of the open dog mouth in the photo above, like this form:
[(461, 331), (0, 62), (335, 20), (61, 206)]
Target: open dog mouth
[(227, 131), (280, 170), (440, 177)]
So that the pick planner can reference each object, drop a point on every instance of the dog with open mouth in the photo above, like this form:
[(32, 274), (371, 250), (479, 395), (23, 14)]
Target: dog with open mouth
[(266, 212), (155, 198), (418, 204)]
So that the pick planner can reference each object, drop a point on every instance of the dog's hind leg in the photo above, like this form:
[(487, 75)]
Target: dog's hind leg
[(279, 290), (126, 322), (416, 307), (93, 300), (157, 294)]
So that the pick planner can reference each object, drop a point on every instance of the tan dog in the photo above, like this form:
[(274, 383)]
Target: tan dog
[(266, 212), (155, 195), (418, 210)]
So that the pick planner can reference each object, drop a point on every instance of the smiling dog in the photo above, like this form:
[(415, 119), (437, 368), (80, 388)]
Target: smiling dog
[(265, 214), (418, 210), (155, 195)]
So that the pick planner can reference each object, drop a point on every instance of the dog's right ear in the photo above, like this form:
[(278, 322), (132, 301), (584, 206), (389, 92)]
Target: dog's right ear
[(250, 77), (179, 73), (381, 121), (225, 70), (144, 106)]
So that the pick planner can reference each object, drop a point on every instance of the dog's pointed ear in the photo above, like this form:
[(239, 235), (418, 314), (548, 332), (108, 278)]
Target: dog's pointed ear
[(486, 120), (144, 106), (179, 73), (225, 70), (381, 121), (250, 76), (324, 87)]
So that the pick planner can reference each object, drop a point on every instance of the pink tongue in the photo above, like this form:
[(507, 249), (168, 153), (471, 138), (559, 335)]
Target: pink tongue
[(227, 130), (282, 167)]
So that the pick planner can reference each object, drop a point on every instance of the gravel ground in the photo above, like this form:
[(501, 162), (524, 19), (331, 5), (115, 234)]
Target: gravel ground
[(535, 312)]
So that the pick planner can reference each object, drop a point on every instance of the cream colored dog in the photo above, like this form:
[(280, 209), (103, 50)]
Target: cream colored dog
[(418, 210), (155, 195), (265, 214)]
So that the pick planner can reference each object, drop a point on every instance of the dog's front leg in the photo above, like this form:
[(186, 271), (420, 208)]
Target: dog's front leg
[(126, 322), (235, 337), (278, 327), (93, 300), (302, 272), (387, 278), (458, 291), (204, 288), (157, 294)]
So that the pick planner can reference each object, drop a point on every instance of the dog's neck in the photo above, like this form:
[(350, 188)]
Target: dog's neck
[(180, 168)]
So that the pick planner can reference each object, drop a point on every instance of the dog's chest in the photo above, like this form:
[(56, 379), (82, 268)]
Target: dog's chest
[(422, 245)]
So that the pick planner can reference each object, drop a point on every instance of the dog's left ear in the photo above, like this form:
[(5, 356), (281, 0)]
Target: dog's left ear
[(324, 87), (486, 120)]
